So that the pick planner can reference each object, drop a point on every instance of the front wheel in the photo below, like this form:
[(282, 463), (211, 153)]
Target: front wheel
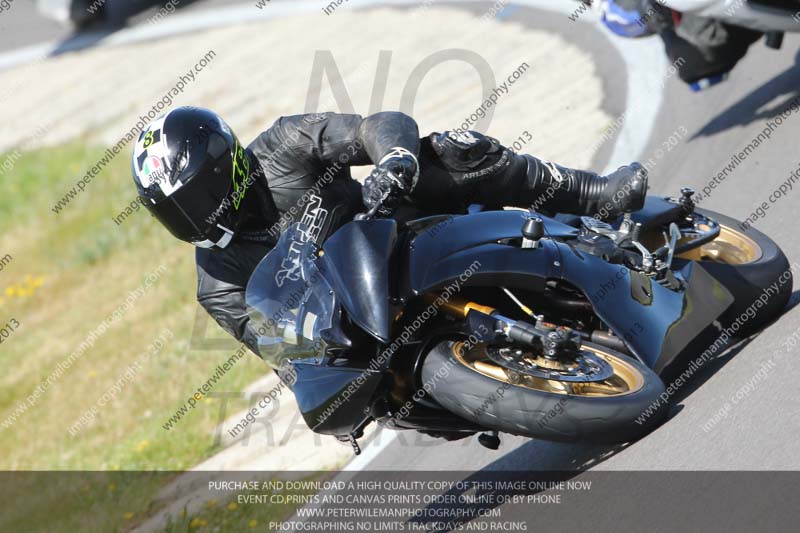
[(621, 408)]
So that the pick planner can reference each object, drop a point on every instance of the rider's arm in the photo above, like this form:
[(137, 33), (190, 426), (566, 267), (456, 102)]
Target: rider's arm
[(321, 140), (384, 132)]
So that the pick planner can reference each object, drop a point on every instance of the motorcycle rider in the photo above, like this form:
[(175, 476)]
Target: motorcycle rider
[(232, 202), (704, 50)]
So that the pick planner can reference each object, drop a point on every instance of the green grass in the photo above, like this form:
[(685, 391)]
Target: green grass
[(121, 501), (69, 272), (77, 502)]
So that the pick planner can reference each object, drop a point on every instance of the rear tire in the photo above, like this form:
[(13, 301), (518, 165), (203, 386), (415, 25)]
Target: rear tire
[(747, 281), (522, 410)]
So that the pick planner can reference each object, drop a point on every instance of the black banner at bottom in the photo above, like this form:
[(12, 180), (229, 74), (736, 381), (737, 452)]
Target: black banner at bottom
[(400, 501)]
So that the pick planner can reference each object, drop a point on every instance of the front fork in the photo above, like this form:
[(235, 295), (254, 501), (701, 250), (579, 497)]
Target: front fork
[(552, 339)]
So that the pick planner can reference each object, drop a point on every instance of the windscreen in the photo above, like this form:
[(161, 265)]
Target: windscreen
[(289, 302)]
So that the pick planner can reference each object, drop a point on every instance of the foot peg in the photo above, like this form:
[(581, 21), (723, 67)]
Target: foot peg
[(489, 440)]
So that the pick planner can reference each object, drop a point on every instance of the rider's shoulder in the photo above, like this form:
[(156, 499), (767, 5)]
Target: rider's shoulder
[(294, 126)]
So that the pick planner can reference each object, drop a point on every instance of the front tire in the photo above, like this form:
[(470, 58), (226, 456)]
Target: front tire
[(463, 383)]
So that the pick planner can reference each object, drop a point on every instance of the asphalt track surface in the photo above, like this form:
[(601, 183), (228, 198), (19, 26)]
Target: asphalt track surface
[(23, 25), (761, 431)]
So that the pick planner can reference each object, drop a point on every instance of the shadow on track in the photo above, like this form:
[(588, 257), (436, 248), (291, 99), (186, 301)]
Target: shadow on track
[(755, 106)]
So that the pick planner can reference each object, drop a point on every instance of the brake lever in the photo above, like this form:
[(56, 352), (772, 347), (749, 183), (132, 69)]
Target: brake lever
[(372, 212)]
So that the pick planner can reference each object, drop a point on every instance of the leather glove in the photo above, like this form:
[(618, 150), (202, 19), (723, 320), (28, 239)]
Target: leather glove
[(394, 177)]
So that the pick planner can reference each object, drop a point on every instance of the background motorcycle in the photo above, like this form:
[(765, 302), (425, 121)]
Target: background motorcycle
[(704, 39), (85, 14), (553, 328), (768, 16)]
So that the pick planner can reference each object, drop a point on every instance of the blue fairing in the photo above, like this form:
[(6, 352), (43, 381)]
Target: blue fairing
[(444, 251), (655, 322)]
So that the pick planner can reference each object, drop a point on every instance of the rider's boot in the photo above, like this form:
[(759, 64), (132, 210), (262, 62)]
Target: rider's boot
[(564, 190)]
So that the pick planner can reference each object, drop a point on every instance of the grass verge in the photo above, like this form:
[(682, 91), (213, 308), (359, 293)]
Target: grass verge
[(69, 272)]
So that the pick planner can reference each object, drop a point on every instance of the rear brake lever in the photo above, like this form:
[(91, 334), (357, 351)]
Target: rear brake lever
[(674, 235), (647, 257)]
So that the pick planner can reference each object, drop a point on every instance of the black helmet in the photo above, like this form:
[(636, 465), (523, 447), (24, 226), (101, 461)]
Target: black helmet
[(192, 175)]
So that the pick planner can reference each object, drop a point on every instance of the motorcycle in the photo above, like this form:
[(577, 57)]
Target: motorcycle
[(711, 36), (552, 327), (79, 13), (88, 14), (773, 17)]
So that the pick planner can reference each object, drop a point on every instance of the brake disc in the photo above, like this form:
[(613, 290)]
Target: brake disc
[(581, 367)]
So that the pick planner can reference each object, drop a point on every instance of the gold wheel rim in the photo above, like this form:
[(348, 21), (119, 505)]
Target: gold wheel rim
[(625, 380), (731, 247)]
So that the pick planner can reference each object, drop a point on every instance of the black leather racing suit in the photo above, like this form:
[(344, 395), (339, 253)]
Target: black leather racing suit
[(304, 174)]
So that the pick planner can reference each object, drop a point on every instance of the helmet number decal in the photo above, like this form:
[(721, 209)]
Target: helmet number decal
[(151, 138)]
